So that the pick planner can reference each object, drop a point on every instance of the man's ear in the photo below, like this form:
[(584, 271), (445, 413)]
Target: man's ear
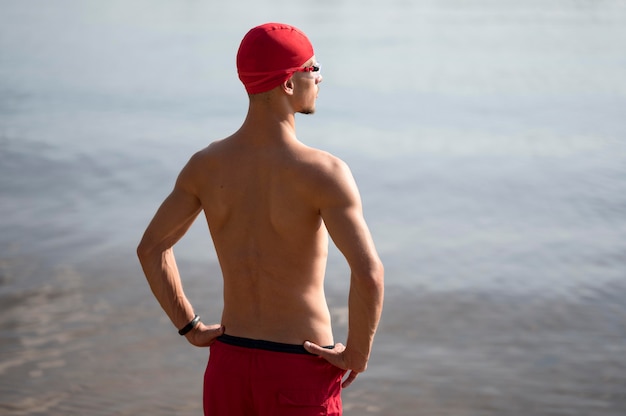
[(288, 86)]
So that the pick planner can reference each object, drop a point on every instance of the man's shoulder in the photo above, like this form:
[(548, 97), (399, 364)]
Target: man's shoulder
[(324, 172), (207, 154), (323, 161), (200, 162), (213, 149)]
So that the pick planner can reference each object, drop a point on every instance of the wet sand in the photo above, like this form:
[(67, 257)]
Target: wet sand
[(87, 340)]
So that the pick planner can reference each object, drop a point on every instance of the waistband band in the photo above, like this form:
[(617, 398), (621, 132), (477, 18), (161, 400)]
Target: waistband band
[(264, 345)]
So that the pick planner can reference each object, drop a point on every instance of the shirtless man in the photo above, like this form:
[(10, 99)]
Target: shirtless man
[(270, 203)]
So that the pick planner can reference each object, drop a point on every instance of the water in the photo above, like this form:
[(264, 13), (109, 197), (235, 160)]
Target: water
[(489, 143)]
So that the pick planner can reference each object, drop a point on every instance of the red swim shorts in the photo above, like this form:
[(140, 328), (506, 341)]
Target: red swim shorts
[(246, 377)]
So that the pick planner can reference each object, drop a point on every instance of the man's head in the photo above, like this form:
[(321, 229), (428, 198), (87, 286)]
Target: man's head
[(270, 54)]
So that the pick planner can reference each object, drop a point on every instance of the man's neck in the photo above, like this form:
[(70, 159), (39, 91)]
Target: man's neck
[(269, 121)]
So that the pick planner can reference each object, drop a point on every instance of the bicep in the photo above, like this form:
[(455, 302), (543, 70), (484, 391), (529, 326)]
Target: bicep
[(343, 216), (350, 233)]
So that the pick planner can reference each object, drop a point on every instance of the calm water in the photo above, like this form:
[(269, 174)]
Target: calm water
[(489, 142)]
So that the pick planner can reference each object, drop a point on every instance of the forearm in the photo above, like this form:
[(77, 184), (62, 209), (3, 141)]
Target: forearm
[(365, 305), (164, 279)]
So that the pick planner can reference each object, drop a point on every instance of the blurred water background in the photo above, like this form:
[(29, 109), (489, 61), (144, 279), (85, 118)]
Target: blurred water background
[(488, 138)]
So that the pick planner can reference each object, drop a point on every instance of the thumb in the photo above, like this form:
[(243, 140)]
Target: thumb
[(215, 328), (313, 348)]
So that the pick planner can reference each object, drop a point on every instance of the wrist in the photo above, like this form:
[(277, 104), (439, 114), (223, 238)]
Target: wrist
[(190, 326), (355, 359)]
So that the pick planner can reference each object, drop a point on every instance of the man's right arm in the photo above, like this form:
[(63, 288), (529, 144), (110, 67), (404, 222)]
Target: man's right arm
[(342, 213), (170, 223)]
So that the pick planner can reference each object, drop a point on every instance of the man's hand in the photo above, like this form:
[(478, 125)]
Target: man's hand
[(203, 335), (337, 357)]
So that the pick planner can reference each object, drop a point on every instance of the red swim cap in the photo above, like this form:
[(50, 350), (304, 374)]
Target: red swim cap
[(269, 54)]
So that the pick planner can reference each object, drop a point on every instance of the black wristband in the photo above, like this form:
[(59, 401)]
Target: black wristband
[(191, 325)]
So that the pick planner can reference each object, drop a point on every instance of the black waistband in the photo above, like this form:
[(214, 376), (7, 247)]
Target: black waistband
[(264, 345)]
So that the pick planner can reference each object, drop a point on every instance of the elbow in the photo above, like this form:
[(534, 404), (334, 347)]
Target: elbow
[(151, 251), (378, 276), (144, 251), (141, 251), (372, 277)]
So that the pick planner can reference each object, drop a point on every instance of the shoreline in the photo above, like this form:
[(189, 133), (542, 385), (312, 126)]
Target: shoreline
[(78, 344)]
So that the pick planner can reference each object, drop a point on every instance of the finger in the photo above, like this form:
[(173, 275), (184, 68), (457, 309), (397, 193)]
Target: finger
[(333, 356), (339, 347), (330, 354), (351, 376), (205, 335), (214, 332), (217, 330), (313, 348)]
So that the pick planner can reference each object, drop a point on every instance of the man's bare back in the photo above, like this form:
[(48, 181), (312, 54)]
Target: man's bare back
[(270, 203), (262, 200)]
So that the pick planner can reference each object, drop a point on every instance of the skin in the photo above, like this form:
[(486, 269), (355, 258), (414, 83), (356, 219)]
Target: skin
[(270, 203)]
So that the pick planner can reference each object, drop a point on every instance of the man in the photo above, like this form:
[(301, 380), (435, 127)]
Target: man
[(270, 203)]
